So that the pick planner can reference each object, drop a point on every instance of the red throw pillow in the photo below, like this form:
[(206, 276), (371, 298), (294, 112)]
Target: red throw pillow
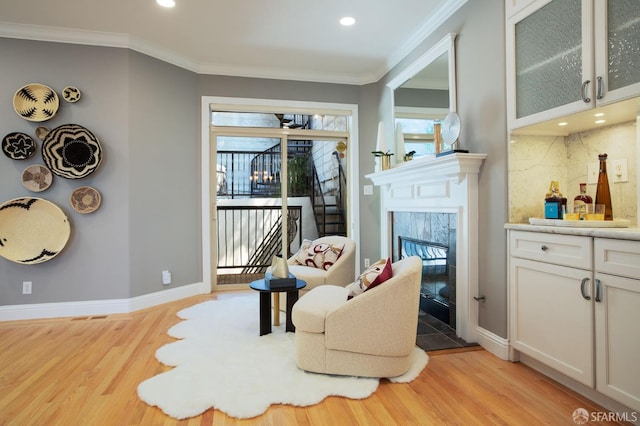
[(373, 276)]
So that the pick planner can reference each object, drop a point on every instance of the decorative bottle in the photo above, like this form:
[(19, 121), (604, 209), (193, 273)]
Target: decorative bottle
[(437, 136), (603, 196), (582, 203), (554, 203)]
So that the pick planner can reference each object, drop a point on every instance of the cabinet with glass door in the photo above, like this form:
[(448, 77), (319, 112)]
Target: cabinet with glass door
[(568, 56)]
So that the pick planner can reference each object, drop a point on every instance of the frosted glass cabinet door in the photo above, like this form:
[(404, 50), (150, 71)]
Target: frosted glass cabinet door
[(619, 50), (549, 57)]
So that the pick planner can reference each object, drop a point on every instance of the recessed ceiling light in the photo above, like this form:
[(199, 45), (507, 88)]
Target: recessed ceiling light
[(599, 114), (347, 21), (563, 123), (166, 3), (600, 121)]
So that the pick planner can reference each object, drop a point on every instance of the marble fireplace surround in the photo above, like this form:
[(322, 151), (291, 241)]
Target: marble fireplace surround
[(447, 184)]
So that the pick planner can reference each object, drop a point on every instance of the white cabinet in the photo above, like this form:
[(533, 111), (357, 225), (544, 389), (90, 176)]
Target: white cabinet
[(574, 305), (568, 56), (551, 313), (511, 7), (617, 319)]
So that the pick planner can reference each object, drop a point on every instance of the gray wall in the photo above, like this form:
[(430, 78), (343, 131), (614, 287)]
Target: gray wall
[(146, 114), (164, 155), (481, 105)]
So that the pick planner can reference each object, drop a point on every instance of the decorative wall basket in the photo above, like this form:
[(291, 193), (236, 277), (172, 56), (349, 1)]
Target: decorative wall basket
[(18, 146), (36, 102), (42, 132), (32, 230), (85, 199), (37, 178), (71, 151), (71, 94)]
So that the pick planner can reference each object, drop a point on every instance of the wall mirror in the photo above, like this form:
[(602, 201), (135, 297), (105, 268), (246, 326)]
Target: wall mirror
[(422, 95)]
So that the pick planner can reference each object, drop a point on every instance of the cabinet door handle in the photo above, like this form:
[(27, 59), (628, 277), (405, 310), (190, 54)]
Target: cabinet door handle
[(583, 289), (598, 291), (600, 88), (544, 248), (585, 97)]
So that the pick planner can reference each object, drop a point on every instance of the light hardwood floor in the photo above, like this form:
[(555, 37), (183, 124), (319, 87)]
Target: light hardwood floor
[(84, 371)]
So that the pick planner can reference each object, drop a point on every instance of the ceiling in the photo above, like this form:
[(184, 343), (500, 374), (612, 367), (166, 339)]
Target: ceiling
[(285, 39)]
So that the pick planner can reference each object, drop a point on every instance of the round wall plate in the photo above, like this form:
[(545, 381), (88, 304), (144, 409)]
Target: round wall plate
[(71, 94), (18, 146), (71, 151), (450, 128), (37, 178), (36, 102), (32, 230), (85, 199)]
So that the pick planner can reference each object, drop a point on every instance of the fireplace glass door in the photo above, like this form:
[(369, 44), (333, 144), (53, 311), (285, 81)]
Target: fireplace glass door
[(432, 237)]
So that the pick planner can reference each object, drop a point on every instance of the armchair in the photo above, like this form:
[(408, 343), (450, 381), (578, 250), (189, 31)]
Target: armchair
[(341, 273), (370, 335)]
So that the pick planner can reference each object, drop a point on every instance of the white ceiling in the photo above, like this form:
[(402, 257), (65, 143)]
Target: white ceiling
[(283, 39)]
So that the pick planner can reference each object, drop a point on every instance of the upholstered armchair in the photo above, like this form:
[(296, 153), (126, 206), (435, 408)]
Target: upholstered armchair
[(341, 273), (371, 335)]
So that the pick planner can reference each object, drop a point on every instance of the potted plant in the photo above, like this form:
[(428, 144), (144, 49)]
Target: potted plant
[(385, 158), (409, 156)]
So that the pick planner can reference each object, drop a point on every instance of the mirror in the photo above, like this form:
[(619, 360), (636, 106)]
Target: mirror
[(422, 95)]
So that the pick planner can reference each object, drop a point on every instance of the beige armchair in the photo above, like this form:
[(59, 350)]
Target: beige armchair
[(341, 273), (371, 335)]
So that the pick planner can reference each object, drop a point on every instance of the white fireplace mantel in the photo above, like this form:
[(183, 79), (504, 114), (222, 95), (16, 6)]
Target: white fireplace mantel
[(440, 184)]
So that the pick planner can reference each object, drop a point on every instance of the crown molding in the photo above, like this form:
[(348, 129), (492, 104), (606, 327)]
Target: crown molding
[(428, 28), (286, 74), (107, 39), (63, 35)]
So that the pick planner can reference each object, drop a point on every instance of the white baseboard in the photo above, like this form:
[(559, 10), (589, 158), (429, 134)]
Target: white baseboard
[(493, 343), (98, 307)]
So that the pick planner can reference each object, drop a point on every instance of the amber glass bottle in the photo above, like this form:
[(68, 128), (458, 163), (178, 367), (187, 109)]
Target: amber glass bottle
[(582, 202), (603, 196)]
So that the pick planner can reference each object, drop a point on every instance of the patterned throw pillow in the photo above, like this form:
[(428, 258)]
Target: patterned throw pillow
[(321, 256), (374, 275)]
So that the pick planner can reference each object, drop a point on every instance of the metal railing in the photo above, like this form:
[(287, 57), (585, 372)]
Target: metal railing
[(256, 174), (249, 236)]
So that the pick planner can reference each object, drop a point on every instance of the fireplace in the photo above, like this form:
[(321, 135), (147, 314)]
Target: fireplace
[(445, 186), (431, 237)]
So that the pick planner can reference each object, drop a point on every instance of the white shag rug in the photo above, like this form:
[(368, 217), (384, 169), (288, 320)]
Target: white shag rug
[(222, 362)]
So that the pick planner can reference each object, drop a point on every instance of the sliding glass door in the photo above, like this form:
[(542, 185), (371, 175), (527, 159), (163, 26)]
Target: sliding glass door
[(262, 175)]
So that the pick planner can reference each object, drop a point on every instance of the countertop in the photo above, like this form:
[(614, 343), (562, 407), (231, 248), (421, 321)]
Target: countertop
[(616, 233)]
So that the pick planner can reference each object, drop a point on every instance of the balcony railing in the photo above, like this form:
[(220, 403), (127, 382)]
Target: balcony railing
[(249, 236)]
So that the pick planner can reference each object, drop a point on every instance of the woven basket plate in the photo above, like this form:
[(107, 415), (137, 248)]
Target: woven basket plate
[(36, 102), (85, 199), (71, 151), (32, 230), (71, 94), (37, 178), (18, 146), (42, 132)]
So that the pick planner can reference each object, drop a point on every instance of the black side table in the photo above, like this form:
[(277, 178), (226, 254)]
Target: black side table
[(265, 303)]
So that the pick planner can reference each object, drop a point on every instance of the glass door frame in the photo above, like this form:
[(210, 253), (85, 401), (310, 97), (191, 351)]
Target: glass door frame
[(209, 134)]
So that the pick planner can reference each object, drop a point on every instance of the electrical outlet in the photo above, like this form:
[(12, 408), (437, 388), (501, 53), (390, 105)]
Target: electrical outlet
[(593, 169), (620, 171), (26, 287), (368, 190), (166, 277), (367, 262)]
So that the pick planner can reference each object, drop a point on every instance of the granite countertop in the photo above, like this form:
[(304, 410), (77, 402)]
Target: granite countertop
[(617, 233)]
